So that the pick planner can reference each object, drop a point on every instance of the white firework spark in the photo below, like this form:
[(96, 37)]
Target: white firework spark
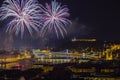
[(25, 14), (55, 17)]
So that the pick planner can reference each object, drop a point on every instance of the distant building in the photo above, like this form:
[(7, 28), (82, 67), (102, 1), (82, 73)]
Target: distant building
[(83, 40), (84, 43)]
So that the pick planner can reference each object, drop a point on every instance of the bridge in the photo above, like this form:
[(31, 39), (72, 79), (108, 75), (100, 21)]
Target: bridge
[(64, 56)]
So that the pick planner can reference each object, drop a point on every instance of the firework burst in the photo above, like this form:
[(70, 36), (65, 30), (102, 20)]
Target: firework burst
[(55, 17), (25, 15)]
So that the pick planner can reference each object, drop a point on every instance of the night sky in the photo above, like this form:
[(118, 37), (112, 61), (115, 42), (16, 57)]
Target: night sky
[(101, 17), (91, 19)]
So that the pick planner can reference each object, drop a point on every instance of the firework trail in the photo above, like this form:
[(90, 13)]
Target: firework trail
[(25, 15), (55, 17)]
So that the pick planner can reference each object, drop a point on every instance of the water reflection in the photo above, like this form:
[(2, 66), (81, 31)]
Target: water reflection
[(22, 78), (85, 71)]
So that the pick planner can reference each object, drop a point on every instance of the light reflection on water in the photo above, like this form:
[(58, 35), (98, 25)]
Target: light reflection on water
[(37, 77), (22, 78), (40, 72)]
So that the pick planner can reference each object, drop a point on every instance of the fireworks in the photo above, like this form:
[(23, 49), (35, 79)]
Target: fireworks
[(30, 15), (24, 13), (55, 18)]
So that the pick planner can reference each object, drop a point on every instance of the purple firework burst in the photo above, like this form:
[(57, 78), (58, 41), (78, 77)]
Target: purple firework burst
[(25, 15), (55, 17)]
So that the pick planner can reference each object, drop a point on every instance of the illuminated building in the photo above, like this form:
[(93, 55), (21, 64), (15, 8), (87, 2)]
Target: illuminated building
[(111, 53), (9, 60), (83, 40)]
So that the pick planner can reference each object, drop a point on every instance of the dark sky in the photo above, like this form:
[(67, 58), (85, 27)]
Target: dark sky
[(101, 16), (91, 19)]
